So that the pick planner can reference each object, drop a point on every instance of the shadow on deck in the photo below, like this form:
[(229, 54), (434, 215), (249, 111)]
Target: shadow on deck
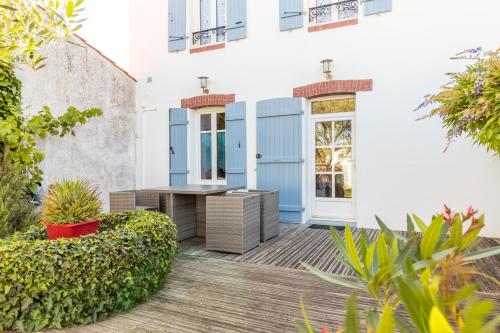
[(259, 291)]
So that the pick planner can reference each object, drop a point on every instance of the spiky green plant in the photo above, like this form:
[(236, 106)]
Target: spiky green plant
[(71, 201), (427, 273)]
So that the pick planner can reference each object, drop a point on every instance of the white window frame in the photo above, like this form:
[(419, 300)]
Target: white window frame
[(213, 111), (196, 21)]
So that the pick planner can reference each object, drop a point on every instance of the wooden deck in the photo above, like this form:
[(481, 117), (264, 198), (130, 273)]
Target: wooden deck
[(256, 292)]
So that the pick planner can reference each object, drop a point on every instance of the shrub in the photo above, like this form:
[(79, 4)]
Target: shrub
[(16, 210), (71, 201), (53, 284), (469, 104), (427, 273)]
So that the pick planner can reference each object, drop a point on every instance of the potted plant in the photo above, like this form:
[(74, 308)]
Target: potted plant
[(70, 209)]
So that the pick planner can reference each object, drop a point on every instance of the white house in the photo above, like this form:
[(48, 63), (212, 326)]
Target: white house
[(339, 149)]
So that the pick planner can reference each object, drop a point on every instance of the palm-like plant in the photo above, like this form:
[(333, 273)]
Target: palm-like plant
[(71, 201), (428, 272)]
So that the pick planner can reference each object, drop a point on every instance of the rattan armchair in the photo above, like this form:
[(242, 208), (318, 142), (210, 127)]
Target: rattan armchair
[(133, 200)]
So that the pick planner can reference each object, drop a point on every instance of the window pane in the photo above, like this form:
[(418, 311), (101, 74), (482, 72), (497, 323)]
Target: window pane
[(324, 133), (206, 156), (343, 186), (205, 122), (334, 105), (205, 21), (221, 121), (221, 155), (342, 131), (324, 186), (342, 159), (221, 19), (323, 159)]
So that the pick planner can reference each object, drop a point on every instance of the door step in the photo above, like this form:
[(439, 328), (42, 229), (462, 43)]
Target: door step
[(326, 227)]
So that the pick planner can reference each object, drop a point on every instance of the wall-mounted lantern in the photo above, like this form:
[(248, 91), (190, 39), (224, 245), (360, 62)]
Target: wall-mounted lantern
[(326, 63), (204, 84)]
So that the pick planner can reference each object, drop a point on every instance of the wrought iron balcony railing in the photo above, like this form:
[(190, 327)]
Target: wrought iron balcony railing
[(204, 37), (346, 9)]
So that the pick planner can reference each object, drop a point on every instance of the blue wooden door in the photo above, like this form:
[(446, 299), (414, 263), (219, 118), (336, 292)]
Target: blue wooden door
[(279, 153), (236, 147), (178, 146)]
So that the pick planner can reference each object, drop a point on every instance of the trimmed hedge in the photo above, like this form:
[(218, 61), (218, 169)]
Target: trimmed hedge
[(53, 284)]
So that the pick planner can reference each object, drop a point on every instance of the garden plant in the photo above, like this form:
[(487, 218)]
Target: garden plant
[(65, 282), (70, 208), (426, 275), (469, 104), (28, 27)]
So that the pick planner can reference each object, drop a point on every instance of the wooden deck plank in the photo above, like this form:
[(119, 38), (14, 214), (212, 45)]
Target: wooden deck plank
[(259, 291)]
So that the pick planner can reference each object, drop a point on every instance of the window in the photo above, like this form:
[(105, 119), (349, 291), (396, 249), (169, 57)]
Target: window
[(333, 106), (212, 146), (209, 12), (326, 11)]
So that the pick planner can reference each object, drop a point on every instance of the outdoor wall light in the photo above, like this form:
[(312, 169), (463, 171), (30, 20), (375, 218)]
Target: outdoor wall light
[(203, 84), (326, 68)]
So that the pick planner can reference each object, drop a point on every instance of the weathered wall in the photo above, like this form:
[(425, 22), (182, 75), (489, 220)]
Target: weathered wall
[(103, 150)]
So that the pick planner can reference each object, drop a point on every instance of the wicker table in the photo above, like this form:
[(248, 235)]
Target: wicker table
[(186, 205)]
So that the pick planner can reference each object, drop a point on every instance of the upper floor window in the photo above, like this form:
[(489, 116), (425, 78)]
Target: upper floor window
[(326, 11), (211, 19)]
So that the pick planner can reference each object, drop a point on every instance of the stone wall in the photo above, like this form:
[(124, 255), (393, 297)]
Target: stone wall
[(103, 150)]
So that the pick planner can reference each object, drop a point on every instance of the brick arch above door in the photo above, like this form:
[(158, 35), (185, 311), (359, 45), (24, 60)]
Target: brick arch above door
[(331, 87), (198, 102)]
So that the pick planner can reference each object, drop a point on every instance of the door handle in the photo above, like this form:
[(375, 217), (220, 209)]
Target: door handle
[(239, 144), (258, 156), (172, 150)]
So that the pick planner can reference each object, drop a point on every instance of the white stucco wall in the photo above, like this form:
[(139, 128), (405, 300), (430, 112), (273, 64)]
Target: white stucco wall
[(400, 163), (102, 150)]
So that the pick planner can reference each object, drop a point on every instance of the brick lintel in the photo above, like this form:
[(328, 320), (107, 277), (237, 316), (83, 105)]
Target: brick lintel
[(202, 101), (332, 87)]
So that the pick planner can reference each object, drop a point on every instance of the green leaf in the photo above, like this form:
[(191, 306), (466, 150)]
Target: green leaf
[(370, 254), (307, 323), (382, 253), (438, 323), (410, 227), (386, 324), (483, 253), (386, 230), (353, 252), (351, 323), (431, 238), (333, 278), (421, 225)]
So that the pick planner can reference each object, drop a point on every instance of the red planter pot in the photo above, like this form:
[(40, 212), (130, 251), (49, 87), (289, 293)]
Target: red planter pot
[(75, 230)]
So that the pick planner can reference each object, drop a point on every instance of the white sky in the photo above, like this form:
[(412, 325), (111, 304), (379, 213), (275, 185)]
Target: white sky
[(108, 28)]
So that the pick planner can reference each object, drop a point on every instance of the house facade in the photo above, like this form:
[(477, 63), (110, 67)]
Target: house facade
[(242, 92)]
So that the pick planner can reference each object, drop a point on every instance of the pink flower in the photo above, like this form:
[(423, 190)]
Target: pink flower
[(324, 329)]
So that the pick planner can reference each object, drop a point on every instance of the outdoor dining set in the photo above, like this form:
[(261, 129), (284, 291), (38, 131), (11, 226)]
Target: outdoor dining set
[(231, 219)]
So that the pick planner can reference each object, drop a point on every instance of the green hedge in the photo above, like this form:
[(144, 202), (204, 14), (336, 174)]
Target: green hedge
[(53, 284)]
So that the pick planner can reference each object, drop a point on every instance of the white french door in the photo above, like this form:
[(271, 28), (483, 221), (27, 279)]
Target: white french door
[(333, 166)]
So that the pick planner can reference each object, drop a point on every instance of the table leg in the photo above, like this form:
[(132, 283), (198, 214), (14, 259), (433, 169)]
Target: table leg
[(201, 215), (182, 208)]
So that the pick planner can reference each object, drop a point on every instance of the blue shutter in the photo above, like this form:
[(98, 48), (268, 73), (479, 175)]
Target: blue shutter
[(176, 25), (377, 6), (236, 146), (178, 146), (291, 14), (279, 149), (236, 19)]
